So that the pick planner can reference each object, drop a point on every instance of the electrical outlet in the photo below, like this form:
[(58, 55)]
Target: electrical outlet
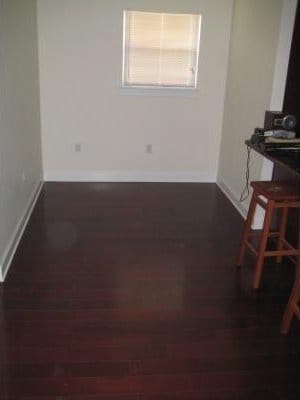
[(23, 177), (77, 147), (148, 148)]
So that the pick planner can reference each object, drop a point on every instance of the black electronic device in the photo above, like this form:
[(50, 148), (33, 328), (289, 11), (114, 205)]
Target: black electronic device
[(279, 120)]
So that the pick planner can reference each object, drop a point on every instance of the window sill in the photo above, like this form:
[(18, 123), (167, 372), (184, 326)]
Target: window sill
[(158, 91)]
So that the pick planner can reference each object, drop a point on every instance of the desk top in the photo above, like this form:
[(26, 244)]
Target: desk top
[(289, 161)]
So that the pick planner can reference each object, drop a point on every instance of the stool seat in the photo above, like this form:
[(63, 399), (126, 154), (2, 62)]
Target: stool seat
[(276, 195), (278, 191)]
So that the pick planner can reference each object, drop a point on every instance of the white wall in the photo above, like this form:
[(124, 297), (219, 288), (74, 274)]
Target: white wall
[(80, 45), (283, 53), (20, 144), (256, 81)]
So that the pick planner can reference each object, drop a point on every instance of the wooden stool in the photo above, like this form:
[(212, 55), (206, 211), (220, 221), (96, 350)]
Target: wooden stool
[(292, 307), (275, 196)]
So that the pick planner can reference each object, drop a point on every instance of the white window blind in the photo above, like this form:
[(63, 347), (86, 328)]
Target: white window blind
[(161, 50)]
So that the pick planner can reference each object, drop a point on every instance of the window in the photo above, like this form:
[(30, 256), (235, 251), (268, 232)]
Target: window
[(160, 50)]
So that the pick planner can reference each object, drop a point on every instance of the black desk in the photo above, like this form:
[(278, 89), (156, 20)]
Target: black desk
[(288, 163), (286, 168)]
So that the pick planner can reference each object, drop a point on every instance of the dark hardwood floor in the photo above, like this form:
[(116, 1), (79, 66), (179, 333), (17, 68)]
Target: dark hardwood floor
[(129, 291)]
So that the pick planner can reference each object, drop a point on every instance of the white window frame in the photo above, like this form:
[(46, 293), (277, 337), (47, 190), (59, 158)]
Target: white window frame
[(161, 88)]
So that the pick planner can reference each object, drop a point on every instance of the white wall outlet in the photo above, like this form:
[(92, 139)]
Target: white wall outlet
[(23, 177), (148, 148), (77, 147)]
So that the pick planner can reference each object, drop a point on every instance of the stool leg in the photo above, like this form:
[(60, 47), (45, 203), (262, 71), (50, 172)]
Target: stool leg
[(246, 231), (282, 229), (263, 244), (289, 311)]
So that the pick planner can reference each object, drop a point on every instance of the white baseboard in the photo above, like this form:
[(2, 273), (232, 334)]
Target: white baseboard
[(129, 176), (234, 198), (18, 232)]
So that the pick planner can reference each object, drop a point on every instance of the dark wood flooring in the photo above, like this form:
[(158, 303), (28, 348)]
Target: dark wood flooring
[(129, 291)]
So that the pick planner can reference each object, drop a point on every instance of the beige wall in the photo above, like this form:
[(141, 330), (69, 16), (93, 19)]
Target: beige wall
[(20, 144), (252, 86), (82, 102)]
